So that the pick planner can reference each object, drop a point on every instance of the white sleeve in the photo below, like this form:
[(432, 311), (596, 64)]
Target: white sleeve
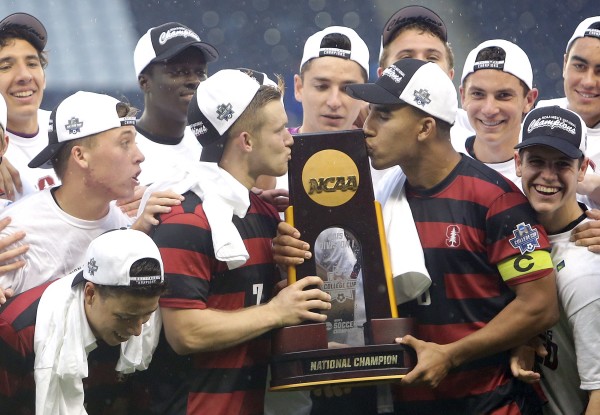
[(586, 332)]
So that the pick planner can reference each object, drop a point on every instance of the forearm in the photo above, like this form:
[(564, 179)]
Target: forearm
[(521, 319), (593, 407), (192, 331)]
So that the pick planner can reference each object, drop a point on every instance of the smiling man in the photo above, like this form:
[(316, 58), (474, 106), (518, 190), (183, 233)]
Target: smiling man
[(581, 74), (551, 162), (496, 92), (22, 83), (66, 331), (170, 62)]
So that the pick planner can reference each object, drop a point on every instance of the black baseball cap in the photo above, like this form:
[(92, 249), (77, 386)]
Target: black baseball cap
[(555, 127), (413, 14), (29, 23), (166, 41)]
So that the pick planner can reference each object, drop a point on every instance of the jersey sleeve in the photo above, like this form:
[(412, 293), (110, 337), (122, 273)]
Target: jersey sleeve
[(516, 242), (586, 333), (186, 248)]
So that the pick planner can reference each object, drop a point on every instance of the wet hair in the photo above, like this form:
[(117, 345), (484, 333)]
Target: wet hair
[(145, 267), (252, 119), (495, 53), (337, 41), (421, 27), (61, 158), (11, 32)]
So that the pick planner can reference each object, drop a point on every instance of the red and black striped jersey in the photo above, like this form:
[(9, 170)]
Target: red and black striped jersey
[(232, 380), (469, 225)]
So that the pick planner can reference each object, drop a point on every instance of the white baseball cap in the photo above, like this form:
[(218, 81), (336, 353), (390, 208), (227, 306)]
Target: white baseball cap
[(218, 103), (3, 113), (555, 127), (166, 41), (358, 52), (515, 62), (109, 258), (77, 116), (423, 85), (590, 27)]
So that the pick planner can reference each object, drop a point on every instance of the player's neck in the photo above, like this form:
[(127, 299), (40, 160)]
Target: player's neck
[(157, 124), (432, 166), (27, 126), (560, 218), (80, 203), (493, 152)]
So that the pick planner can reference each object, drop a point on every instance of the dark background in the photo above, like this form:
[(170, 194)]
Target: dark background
[(91, 42)]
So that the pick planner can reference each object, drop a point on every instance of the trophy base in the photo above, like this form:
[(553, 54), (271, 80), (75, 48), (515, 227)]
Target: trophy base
[(301, 359)]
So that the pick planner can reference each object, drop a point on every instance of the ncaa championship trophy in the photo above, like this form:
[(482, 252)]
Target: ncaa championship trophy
[(333, 206)]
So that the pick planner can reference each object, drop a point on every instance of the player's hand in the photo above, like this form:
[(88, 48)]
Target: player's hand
[(130, 206), (522, 359), (10, 180), (280, 198), (433, 362), (295, 303), (288, 249), (158, 203), (588, 234), (9, 251)]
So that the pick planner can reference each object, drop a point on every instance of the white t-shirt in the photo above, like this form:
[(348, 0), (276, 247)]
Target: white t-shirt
[(574, 359), (162, 158), (593, 143), (21, 150), (57, 241)]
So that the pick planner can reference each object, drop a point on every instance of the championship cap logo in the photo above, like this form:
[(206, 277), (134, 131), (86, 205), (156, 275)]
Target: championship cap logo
[(74, 126)]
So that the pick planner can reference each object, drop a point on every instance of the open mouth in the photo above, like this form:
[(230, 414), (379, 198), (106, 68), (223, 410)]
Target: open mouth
[(546, 190), (120, 338), (588, 95)]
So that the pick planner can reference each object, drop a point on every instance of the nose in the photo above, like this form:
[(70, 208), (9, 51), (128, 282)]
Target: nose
[(289, 139), (334, 98), (138, 157), (367, 127), (490, 106), (136, 327), (590, 78), (24, 74)]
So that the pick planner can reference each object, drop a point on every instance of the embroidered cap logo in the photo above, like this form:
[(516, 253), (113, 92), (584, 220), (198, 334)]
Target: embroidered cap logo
[(224, 112), (74, 126), (92, 267), (422, 97)]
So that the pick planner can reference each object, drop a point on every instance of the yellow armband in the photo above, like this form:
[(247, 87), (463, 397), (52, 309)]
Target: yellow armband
[(528, 263)]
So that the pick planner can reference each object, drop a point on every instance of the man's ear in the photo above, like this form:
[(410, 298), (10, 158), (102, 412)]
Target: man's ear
[(518, 162), (426, 128), (298, 85), (89, 293), (583, 169), (143, 80)]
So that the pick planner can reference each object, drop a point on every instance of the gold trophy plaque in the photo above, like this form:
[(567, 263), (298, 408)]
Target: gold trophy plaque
[(332, 204)]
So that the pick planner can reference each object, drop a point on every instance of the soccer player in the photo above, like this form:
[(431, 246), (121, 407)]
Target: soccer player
[(84, 331)]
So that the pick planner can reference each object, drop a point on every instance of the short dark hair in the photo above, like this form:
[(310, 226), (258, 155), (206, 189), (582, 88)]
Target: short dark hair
[(61, 158), (13, 31), (442, 126), (421, 27), (338, 41), (144, 267), (495, 53)]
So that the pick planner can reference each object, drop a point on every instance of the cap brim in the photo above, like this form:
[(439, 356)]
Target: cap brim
[(209, 52), (43, 159), (373, 94), (78, 279), (552, 142)]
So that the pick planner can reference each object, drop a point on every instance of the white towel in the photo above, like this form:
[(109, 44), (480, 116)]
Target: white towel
[(62, 341), (222, 197), (407, 261)]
